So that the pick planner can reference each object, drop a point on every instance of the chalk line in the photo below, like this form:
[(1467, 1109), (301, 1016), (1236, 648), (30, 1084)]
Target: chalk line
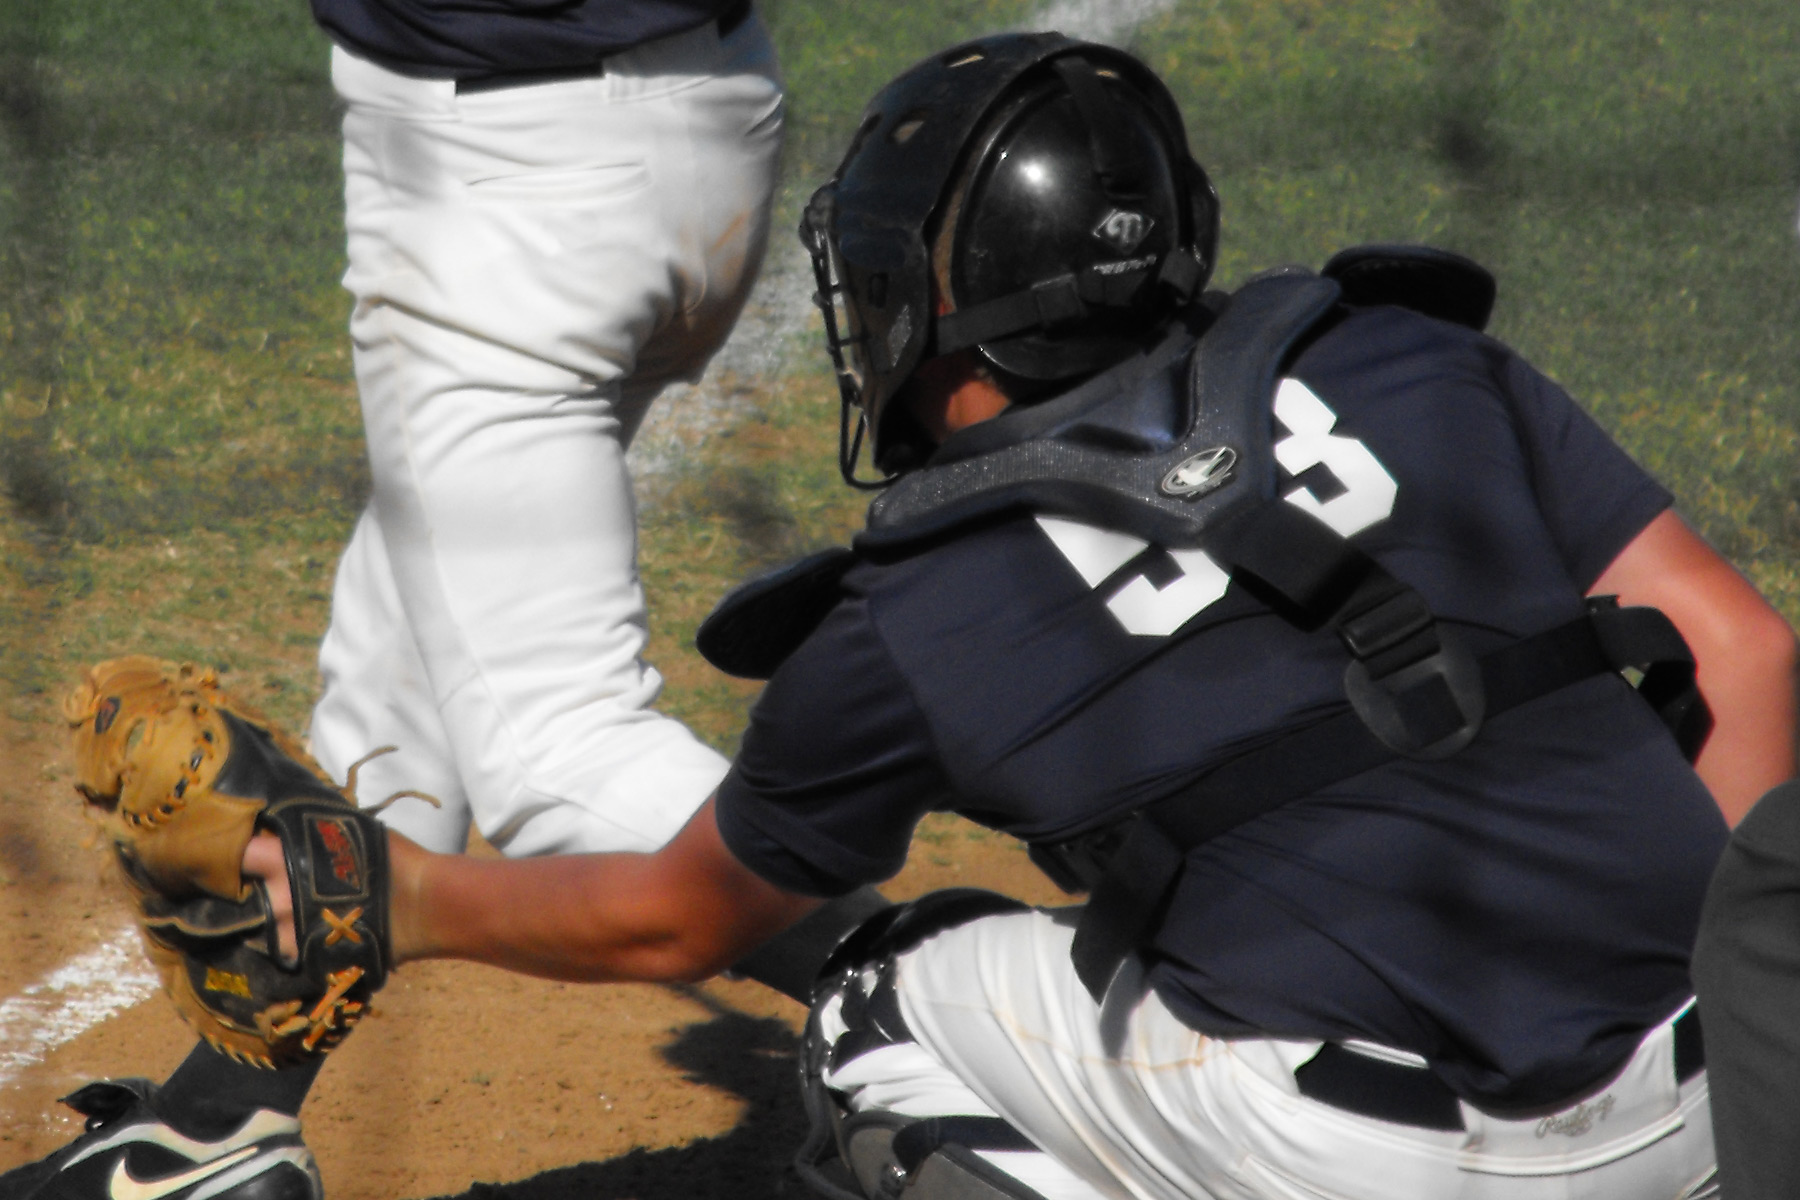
[(71, 1000)]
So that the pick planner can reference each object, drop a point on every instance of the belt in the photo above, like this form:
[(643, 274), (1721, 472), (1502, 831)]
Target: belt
[(1407, 1095), (735, 14)]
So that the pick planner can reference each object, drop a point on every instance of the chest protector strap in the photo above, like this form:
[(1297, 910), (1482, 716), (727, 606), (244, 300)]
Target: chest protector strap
[(1410, 680), (1131, 867)]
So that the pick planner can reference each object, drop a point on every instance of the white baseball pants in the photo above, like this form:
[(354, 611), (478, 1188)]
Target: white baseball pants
[(530, 266), (1129, 1102)]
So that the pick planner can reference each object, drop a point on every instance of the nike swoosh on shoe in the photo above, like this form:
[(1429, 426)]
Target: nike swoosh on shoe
[(261, 1127), (122, 1186)]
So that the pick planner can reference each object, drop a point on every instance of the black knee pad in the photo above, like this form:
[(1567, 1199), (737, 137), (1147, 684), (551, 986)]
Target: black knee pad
[(882, 1155), (861, 969), (895, 930)]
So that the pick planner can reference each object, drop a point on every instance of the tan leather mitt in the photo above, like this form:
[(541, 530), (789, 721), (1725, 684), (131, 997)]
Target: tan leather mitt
[(180, 776)]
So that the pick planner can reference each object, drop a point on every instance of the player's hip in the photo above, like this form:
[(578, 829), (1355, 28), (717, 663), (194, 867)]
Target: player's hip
[(1174, 1112)]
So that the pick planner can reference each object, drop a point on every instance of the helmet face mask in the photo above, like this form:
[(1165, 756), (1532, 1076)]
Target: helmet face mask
[(844, 338), (875, 322), (1069, 223)]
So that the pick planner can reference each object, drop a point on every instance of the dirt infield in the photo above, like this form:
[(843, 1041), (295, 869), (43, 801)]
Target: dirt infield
[(469, 1081)]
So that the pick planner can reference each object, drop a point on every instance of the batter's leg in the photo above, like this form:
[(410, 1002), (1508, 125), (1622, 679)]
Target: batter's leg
[(513, 254), (377, 695)]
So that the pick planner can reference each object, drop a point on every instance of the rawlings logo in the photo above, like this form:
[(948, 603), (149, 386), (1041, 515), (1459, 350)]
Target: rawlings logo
[(107, 714), (229, 982), (340, 852), (1578, 1120), (1125, 265), (1123, 229)]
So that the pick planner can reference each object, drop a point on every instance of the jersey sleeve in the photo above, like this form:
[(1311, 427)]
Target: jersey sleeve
[(1593, 496), (836, 767)]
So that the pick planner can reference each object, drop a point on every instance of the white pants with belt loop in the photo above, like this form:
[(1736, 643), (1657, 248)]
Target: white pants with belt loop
[(1130, 1102), (530, 266)]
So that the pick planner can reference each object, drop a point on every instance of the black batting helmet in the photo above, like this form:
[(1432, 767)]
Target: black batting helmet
[(1051, 178)]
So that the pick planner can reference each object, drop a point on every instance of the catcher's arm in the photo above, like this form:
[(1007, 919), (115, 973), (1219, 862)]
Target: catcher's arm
[(685, 912), (1744, 650)]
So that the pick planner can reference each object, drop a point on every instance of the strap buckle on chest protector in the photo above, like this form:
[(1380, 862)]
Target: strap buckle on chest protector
[(1415, 686), (1413, 682)]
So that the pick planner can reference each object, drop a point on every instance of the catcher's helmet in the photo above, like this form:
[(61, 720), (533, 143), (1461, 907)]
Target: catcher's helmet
[(1052, 181)]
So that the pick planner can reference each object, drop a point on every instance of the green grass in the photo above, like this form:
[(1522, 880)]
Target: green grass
[(1628, 170), (179, 436)]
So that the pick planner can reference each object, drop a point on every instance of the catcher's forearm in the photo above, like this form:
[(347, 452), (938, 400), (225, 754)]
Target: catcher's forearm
[(685, 912)]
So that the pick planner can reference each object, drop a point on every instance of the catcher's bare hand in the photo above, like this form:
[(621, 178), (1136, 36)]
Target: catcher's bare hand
[(264, 859)]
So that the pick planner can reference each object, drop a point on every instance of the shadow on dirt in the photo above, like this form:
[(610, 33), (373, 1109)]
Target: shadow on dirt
[(751, 1057)]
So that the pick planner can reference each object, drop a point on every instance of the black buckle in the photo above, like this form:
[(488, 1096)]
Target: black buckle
[(1426, 710), (1181, 272), (1397, 616), (1645, 640), (1058, 300)]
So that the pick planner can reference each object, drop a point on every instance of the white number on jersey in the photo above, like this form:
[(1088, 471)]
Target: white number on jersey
[(1149, 611), (1141, 607), (1369, 490)]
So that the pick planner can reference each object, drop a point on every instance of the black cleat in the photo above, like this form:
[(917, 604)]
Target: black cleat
[(130, 1153)]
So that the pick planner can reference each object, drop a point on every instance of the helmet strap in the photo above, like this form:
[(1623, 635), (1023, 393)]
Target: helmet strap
[(1065, 298), (1123, 173)]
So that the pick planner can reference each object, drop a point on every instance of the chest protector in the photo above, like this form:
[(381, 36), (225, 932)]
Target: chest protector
[(1411, 687)]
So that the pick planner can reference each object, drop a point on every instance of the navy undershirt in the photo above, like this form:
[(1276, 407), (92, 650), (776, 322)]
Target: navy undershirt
[(1518, 914), (456, 39)]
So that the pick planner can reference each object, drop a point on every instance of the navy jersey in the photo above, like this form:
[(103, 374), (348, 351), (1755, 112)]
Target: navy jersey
[(1518, 913), (444, 39)]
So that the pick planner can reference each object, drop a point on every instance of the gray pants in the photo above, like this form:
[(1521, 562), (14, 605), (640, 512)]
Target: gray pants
[(1747, 974)]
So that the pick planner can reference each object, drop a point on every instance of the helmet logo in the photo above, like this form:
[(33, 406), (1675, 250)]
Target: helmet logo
[(1123, 229), (1199, 474)]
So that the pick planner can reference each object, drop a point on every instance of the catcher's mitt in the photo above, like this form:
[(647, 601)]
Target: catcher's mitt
[(180, 777)]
